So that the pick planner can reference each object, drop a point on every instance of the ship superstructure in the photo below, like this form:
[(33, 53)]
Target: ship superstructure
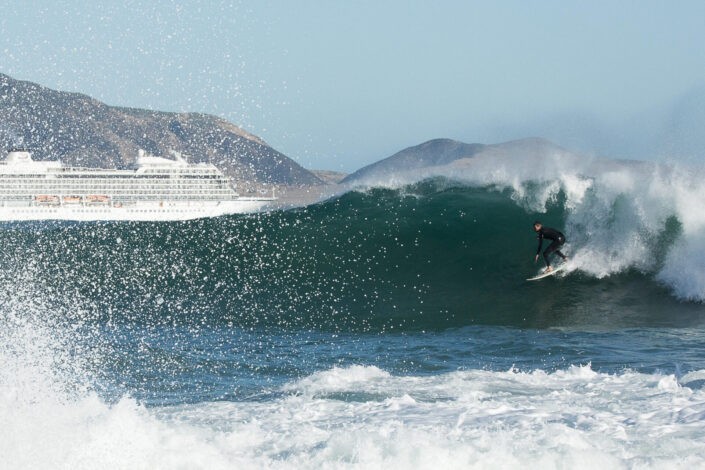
[(156, 189)]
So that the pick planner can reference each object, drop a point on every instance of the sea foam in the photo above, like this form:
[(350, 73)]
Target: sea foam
[(364, 417)]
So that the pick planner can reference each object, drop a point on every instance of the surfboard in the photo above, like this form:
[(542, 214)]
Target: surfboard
[(542, 275)]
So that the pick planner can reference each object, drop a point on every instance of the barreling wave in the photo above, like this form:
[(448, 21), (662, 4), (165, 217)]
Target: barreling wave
[(433, 250)]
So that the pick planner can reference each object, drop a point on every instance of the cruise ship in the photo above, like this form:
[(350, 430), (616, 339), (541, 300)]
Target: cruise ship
[(156, 188)]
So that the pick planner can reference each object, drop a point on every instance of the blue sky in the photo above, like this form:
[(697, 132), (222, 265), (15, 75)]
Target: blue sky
[(336, 85)]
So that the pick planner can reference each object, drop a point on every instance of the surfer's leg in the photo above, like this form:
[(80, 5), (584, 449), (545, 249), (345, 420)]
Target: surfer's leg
[(560, 242), (553, 247)]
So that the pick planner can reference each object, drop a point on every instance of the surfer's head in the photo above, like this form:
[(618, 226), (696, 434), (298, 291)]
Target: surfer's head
[(537, 226)]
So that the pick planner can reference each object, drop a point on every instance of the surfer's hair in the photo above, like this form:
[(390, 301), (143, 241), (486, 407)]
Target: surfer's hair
[(537, 223)]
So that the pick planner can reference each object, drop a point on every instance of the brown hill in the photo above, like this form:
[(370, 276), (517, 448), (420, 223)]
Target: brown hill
[(82, 131)]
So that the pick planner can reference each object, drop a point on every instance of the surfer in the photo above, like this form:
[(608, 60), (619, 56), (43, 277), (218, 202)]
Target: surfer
[(558, 241)]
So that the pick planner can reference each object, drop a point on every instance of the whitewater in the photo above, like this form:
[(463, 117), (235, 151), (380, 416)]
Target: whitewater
[(386, 326)]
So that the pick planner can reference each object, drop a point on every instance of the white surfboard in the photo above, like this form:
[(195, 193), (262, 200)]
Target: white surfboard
[(542, 275)]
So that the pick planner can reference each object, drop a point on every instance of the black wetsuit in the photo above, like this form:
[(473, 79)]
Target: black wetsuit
[(558, 241)]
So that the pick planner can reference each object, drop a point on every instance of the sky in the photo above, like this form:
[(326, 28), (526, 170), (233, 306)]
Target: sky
[(340, 84)]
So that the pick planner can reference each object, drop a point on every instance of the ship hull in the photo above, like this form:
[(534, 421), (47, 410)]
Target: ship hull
[(142, 211)]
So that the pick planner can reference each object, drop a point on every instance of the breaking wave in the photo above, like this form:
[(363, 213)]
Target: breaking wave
[(451, 249)]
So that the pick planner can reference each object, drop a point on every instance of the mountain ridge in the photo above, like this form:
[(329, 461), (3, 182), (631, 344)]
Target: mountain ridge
[(443, 151), (82, 131)]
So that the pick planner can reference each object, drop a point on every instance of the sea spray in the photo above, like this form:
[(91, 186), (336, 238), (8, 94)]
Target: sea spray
[(389, 325)]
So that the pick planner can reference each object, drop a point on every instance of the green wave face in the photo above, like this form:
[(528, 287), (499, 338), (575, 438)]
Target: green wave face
[(432, 255)]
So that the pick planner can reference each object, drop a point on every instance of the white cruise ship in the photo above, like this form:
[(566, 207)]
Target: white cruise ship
[(157, 189)]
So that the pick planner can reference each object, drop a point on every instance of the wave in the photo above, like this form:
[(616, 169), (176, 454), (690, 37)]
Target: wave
[(437, 248), (614, 209)]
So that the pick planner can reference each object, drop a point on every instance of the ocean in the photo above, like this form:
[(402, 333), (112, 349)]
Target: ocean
[(387, 326)]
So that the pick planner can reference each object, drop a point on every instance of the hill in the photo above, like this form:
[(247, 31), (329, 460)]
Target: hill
[(442, 152), (329, 177), (82, 131)]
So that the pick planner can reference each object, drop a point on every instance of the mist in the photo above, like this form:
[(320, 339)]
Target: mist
[(672, 132)]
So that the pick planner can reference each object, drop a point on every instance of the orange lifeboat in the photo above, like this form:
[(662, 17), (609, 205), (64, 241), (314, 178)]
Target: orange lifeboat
[(72, 199)]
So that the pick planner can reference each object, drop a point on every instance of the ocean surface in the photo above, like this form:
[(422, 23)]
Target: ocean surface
[(388, 326)]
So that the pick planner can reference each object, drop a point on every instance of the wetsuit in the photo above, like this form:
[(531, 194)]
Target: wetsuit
[(558, 241)]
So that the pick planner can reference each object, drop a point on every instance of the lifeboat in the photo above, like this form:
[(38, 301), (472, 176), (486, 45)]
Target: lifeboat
[(95, 199), (72, 199), (45, 199)]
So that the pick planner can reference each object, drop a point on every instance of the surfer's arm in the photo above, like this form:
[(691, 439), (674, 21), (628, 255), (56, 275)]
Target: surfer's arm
[(540, 237)]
